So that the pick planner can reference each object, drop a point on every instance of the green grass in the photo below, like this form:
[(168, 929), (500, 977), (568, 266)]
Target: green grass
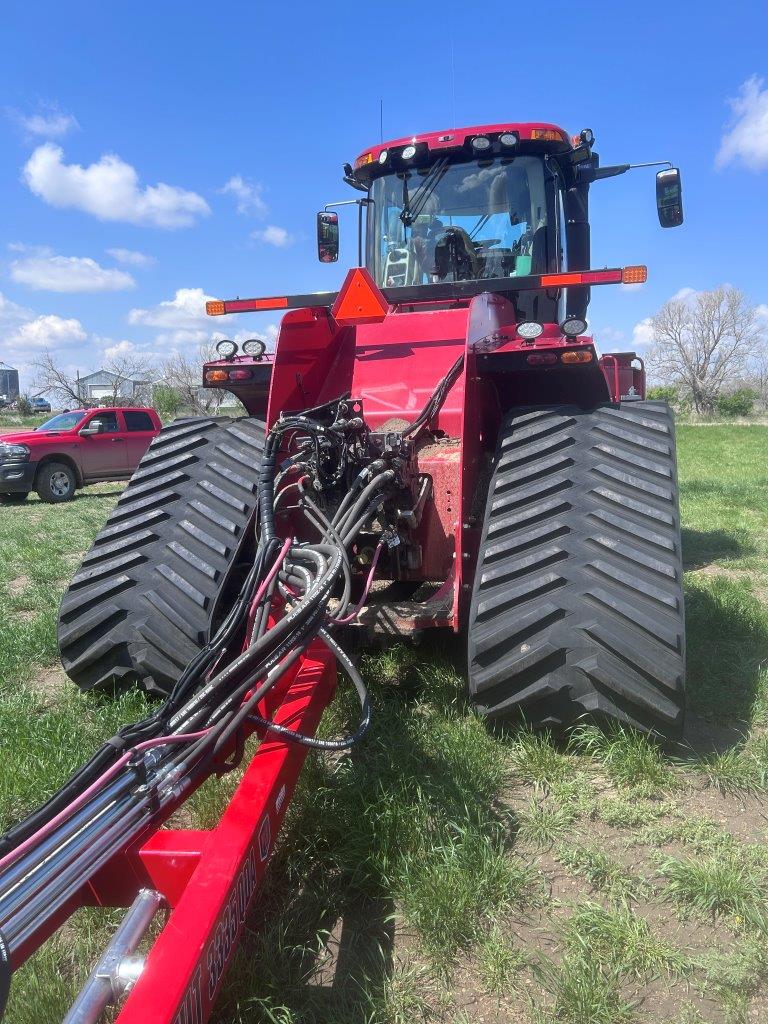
[(725, 884), (602, 870), (424, 859), (500, 962), (629, 758), (619, 939)]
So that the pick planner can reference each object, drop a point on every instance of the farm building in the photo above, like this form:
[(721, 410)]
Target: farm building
[(9, 383), (106, 386)]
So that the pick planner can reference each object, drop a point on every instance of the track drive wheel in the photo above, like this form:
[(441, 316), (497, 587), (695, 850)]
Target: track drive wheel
[(577, 604)]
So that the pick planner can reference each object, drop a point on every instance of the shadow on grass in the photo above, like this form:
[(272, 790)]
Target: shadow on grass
[(361, 827), (700, 547), (727, 653)]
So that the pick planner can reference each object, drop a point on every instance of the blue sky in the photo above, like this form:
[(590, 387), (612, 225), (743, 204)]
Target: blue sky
[(204, 137)]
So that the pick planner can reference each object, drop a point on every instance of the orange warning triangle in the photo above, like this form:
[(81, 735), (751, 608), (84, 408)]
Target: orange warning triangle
[(359, 301)]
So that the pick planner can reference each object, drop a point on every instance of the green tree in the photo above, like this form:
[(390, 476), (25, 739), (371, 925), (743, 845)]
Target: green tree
[(166, 400), (738, 403)]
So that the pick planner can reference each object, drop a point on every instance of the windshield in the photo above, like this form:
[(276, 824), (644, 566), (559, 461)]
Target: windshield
[(459, 222), (64, 421)]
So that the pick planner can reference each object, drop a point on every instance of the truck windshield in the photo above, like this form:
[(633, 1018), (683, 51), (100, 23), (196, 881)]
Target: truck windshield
[(64, 421), (482, 219)]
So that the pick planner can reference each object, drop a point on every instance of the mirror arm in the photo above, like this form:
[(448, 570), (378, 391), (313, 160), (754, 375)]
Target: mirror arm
[(355, 184), (590, 174)]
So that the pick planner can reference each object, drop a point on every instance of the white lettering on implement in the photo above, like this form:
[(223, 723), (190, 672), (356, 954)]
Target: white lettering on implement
[(222, 943), (191, 1009)]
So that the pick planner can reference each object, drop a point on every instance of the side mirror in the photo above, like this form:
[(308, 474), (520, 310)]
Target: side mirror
[(94, 427), (327, 237), (669, 198)]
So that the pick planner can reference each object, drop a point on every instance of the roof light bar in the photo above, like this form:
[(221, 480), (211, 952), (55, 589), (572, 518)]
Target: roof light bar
[(547, 135)]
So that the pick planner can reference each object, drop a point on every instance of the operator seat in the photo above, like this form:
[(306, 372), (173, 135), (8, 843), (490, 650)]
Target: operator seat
[(455, 254)]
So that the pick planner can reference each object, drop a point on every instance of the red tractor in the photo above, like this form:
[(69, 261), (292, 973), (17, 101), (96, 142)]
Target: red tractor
[(437, 445), (534, 500)]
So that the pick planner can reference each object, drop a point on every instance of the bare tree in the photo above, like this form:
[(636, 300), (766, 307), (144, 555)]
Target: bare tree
[(757, 376), (133, 369), (53, 379), (705, 343), (185, 376)]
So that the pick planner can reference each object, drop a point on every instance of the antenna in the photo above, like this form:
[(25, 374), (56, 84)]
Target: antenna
[(453, 86), (381, 120)]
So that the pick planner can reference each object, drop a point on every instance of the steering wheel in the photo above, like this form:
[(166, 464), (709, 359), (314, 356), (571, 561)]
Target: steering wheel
[(486, 243)]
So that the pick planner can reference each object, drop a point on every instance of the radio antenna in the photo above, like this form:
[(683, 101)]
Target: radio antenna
[(453, 86), (381, 120)]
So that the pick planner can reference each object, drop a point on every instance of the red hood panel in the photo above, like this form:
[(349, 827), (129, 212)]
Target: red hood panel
[(36, 437)]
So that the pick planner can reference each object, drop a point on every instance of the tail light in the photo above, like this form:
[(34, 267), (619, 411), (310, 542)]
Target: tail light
[(541, 359), (240, 374), (216, 376)]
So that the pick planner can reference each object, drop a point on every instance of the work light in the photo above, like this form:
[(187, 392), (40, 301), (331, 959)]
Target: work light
[(226, 348)]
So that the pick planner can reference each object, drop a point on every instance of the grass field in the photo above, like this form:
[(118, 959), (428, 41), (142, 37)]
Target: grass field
[(439, 873)]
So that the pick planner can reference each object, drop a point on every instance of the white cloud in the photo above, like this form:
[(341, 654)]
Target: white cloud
[(49, 331), (185, 311), (182, 338), (119, 349), (609, 335), (642, 333), (110, 190), (761, 310), (248, 195), (683, 294), (745, 140), (131, 257), (50, 122), (274, 235), (11, 314), (68, 274)]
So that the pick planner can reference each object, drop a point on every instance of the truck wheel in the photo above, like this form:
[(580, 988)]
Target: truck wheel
[(55, 482), (577, 604), (14, 498), (146, 597)]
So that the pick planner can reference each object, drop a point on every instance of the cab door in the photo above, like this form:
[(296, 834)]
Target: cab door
[(103, 454)]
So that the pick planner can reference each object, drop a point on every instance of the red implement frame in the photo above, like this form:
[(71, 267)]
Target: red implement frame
[(210, 878)]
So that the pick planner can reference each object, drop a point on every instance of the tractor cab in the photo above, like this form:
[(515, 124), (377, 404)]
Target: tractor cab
[(500, 204)]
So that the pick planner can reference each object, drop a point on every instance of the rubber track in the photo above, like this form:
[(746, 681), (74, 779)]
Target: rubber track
[(577, 605), (144, 599)]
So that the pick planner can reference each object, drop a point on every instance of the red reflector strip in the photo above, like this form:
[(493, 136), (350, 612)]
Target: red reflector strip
[(559, 280), (602, 277), (581, 278), (249, 305)]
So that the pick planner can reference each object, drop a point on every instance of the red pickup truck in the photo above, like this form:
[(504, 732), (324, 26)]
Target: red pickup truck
[(73, 449)]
